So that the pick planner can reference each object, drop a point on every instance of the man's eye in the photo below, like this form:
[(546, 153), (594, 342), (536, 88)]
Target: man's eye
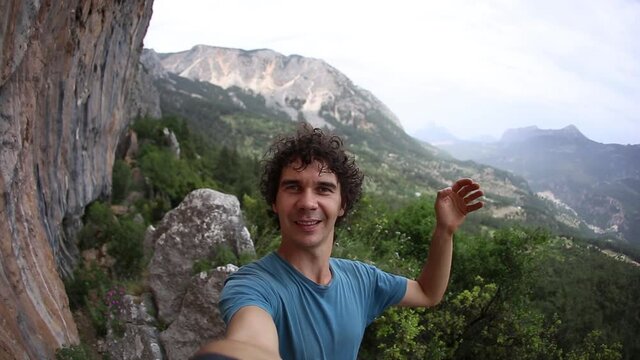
[(325, 189)]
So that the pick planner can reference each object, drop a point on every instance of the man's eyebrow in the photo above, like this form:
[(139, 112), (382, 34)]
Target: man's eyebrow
[(328, 184), (286, 182)]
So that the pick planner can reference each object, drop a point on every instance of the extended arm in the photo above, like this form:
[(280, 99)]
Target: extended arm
[(452, 206), (251, 334)]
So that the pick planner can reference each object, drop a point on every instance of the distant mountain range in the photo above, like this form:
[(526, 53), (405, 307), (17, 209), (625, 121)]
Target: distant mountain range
[(600, 182), (243, 98)]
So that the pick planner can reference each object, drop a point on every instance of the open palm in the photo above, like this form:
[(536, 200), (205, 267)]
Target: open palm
[(455, 202)]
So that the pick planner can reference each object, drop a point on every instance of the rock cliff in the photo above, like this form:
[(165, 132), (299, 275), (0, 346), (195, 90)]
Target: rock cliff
[(303, 88), (65, 71)]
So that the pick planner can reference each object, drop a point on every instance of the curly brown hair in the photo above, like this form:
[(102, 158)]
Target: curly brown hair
[(310, 144)]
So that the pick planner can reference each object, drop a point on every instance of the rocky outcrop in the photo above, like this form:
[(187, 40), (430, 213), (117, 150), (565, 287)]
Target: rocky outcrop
[(199, 319), (152, 62), (304, 88), (190, 232), (144, 98), (65, 70), (140, 339), (187, 302)]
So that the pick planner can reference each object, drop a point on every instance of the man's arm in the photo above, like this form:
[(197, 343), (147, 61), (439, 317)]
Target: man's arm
[(251, 334), (452, 206)]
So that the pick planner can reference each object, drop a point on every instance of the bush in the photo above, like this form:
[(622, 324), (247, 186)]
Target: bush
[(98, 222), (125, 245), (222, 255), (120, 181), (85, 278), (73, 352)]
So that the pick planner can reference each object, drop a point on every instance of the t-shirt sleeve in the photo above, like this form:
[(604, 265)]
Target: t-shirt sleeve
[(241, 289), (388, 289)]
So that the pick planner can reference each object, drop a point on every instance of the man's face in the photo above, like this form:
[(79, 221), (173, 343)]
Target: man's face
[(308, 203)]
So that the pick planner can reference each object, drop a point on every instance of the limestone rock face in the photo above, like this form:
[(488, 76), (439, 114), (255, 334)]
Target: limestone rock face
[(140, 340), (144, 98), (65, 71), (302, 87), (190, 232), (199, 319)]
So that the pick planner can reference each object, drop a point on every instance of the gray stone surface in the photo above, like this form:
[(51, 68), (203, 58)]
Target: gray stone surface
[(65, 70), (144, 98), (190, 232), (199, 319), (141, 340)]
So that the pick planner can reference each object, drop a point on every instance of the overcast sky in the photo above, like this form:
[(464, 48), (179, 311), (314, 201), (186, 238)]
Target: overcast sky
[(472, 67)]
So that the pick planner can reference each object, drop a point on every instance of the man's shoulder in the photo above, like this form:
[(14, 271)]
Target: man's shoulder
[(349, 262), (266, 269), (350, 266)]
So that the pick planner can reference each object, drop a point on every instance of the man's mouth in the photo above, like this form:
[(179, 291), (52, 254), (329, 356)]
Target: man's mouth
[(307, 222)]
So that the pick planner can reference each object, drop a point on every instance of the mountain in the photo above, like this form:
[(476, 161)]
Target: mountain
[(242, 99), (600, 182), (435, 135), (301, 87)]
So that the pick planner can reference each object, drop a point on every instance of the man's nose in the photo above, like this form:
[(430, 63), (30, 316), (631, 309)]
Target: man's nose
[(308, 200)]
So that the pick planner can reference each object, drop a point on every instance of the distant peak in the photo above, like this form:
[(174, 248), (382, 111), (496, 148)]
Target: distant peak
[(529, 132), (571, 129)]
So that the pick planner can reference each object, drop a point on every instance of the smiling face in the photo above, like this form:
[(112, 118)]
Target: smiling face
[(308, 203)]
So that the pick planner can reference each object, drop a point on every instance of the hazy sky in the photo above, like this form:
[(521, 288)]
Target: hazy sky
[(472, 67)]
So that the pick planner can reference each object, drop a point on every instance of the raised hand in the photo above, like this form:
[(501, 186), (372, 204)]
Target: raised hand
[(455, 202)]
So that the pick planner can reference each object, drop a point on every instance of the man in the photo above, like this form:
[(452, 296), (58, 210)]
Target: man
[(298, 302)]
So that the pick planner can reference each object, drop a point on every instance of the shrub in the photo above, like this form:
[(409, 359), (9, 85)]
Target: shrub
[(85, 279), (114, 301), (98, 222), (120, 181), (125, 246), (73, 352), (223, 255)]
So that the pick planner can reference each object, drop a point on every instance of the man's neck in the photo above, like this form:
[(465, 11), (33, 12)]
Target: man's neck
[(312, 263)]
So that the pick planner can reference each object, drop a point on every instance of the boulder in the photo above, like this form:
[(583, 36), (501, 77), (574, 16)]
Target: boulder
[(199, 319), (190, 232)]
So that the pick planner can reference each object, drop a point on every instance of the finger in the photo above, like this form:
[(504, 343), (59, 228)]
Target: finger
[(474, 206), (466, 190), (460, 184), (469, 198)]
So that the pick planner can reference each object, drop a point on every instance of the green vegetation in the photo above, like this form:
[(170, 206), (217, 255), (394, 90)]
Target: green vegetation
[(76, 352), (515, 292), (222, 255), (144, 189)]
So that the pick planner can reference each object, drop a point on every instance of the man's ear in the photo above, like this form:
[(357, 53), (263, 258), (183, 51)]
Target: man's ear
[(341, 212), (273, 208)]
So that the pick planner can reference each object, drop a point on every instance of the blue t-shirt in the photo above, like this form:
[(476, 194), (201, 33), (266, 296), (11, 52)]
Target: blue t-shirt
[(314, 321)]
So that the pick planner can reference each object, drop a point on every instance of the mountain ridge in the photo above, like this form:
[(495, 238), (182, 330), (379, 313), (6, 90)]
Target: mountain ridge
[(533, 131), (598, 181), (302, 87)]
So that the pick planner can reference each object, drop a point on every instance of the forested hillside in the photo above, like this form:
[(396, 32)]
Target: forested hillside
[(517, 292), (394, 163)]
